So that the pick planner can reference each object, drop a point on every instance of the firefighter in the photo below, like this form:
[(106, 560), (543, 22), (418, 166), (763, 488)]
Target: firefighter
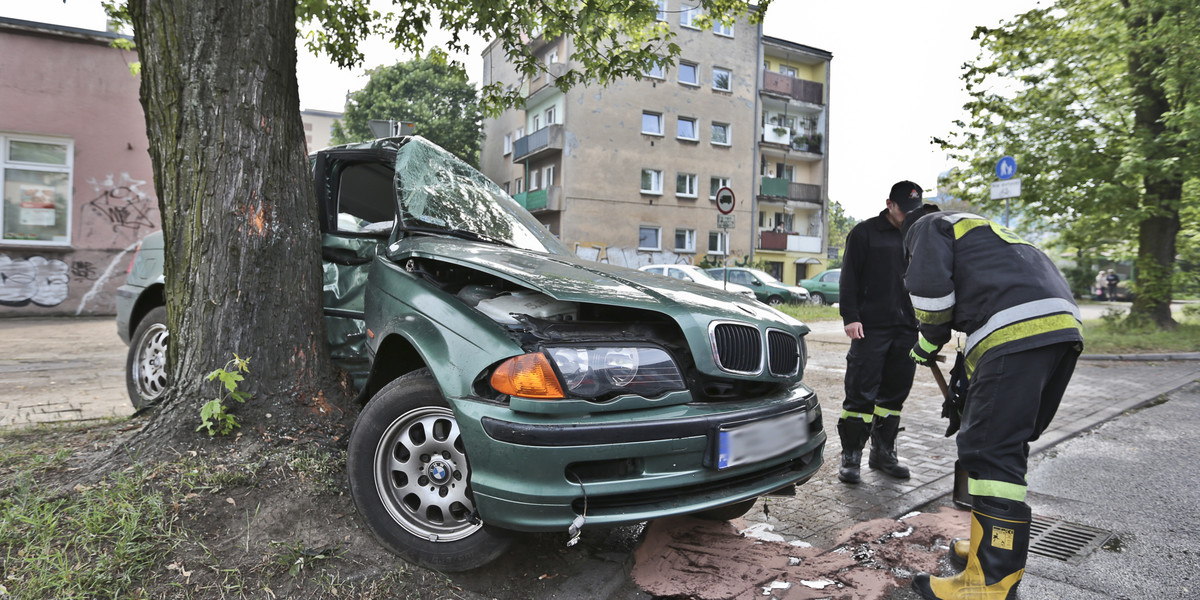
[(1024, 335), (878, 318)]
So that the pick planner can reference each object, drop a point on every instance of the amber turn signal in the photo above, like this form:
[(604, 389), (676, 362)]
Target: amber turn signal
[(527, 376)]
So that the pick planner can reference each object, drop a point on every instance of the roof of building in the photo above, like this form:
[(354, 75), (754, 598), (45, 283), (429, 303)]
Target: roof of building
[(789, 45), (33, 27)]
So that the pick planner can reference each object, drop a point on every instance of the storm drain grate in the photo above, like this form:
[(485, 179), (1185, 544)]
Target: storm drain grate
[(1065, 541)]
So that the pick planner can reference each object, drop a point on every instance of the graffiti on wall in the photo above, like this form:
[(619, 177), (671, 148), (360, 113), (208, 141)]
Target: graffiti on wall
[(122, 204), (83, 270), (38, 280)]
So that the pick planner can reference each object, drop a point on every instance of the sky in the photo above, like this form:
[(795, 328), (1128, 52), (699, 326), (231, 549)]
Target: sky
[(894, 81)]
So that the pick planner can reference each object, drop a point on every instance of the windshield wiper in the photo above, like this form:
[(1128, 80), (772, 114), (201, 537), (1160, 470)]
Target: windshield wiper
[(459, 233)]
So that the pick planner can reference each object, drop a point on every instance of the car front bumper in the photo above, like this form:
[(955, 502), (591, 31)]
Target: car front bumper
[(532, 473)]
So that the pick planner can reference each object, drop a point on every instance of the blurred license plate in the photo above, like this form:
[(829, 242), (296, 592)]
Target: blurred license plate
[(760, 440)]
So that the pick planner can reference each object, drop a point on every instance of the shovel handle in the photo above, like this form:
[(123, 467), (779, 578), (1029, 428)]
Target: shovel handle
[(937, 375)]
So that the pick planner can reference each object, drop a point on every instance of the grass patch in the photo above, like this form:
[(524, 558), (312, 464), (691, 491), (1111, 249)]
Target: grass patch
[(1103, 337), (811, 313)]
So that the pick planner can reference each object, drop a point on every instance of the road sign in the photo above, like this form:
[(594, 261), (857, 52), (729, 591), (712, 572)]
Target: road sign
[(725, 200), (1006, 167), (1006, 189), (725, 221)]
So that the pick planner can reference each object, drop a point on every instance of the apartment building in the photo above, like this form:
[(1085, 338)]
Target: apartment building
[(318, 127), (629, 173)]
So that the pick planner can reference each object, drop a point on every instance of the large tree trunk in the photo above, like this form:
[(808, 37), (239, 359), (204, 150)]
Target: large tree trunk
[(1162, 180), (238, 206)]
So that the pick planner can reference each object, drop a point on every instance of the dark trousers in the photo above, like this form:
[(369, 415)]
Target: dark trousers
[(1010, 402), (879, 371)]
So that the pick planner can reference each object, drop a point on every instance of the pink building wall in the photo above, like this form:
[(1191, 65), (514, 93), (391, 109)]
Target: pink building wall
[(70, 84)]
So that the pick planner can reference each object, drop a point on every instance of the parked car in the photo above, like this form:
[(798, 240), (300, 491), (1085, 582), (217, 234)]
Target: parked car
[(512, 386), (766, 288), (695, 274), (823, 289)]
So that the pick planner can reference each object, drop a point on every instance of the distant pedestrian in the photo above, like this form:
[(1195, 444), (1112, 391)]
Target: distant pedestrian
[(1024, 335), (1112, 279), (878, 318), (1101, 283)]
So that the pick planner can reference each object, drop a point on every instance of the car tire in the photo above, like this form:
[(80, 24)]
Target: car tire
[(411, 480), (727, 512), (146, 362), (775, 301), (817, 298)]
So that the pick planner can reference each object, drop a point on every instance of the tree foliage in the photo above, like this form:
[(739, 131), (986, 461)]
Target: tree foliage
[(430, 92), (840, 225), (1098, 101)]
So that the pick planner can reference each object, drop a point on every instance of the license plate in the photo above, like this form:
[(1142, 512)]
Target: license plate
[(760, 440)]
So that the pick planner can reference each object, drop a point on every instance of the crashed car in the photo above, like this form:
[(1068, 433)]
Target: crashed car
[(512, 386)]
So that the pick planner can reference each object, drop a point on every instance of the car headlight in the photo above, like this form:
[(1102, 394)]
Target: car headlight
[(589, 372)]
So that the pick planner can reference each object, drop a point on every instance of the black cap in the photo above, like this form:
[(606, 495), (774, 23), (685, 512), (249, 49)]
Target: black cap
[(906, 195)]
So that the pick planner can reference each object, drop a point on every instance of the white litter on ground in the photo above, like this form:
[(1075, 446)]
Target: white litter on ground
[(819, 584), (762, 531), (775, 585), (900, 534), (910, 515), (800, 544)]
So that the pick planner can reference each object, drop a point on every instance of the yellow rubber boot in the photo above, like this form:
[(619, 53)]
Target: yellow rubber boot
[(996, 558)]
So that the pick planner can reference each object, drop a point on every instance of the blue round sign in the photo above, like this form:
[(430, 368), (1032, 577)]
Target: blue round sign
[(1006, 167)]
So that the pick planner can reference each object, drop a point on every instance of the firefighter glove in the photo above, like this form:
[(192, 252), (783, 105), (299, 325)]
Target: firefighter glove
[(924, 351)]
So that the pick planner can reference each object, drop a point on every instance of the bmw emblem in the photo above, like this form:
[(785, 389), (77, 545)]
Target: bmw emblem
[(438, 472)]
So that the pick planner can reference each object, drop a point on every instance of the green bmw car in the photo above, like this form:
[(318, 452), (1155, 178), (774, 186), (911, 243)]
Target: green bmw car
[(512, 386)]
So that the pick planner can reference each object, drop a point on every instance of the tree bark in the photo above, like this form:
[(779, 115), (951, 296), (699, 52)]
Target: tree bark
[(239, 212), (1162, 180)]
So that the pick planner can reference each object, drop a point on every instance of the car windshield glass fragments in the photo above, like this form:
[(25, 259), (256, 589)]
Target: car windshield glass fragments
[(440, 193)]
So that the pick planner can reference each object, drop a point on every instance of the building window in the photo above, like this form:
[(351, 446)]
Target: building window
[(537, 123), (688, 74), (655, 72), (662, 10), (720, 133), (718, 243), (651, 181), (533, 179), (685, 185), (648, 238), (720, 28), (722, 79), (552, 56), (518, 186), (507, 187), (786, 70), (688, 16), (715, 184), (520, 133), (551, 115), (507, 144), (685, 129), (35, 176), (548, 176), (685, 240), (652, 123)]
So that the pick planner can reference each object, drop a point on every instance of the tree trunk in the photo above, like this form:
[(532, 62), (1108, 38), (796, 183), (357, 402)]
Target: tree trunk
[(1162, 180), (239, 213)]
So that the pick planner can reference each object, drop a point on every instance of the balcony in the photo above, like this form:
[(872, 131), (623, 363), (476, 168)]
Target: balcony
[(543, 141), (794, 139), (541, 86), (788, 190), (544, 199), (789, 242), (801, 90)]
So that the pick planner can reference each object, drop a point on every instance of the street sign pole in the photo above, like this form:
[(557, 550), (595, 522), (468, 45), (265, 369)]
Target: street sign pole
[(725, 220), (1006, 167)]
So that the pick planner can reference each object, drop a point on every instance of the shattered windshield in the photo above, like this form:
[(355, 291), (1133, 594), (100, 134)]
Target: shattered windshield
[(441, 194)]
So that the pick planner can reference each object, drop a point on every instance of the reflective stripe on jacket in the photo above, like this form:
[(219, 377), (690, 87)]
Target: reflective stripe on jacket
[(969, 274)]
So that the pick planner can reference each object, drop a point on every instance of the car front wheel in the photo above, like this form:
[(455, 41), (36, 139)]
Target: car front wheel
[(818, 299), (146, 362), (411, 479), (775, 301)]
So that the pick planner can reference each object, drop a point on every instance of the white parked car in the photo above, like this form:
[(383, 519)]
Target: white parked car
[(697, 275)]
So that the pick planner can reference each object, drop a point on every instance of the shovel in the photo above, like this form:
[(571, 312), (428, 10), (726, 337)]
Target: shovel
[(961, 496)]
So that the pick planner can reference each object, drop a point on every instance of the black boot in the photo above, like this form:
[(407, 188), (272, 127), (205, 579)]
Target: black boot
[(996, 558), (854, 434), (883, 447)]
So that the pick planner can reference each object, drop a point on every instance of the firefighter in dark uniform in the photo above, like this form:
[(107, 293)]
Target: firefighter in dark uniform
[(878, 318), (1024, 334)]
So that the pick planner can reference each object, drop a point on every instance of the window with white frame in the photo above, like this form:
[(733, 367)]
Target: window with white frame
[(551, 115), (548, 176), (652, 123), (507, 144), (519, 133), (688, 16), (533, 179), (518, 186), (685, 129), (649, 237), (720, 28), (787, 70), (685, 185), (651, 181), (720, 134), (35, 176), (718, 243), (662, 10), (689, 73), (685, 240), (655, 72), (537, 123), (722, 79), (552, 56), (715, 184)]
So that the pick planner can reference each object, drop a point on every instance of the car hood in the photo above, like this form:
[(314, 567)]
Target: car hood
[(572, 279)]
